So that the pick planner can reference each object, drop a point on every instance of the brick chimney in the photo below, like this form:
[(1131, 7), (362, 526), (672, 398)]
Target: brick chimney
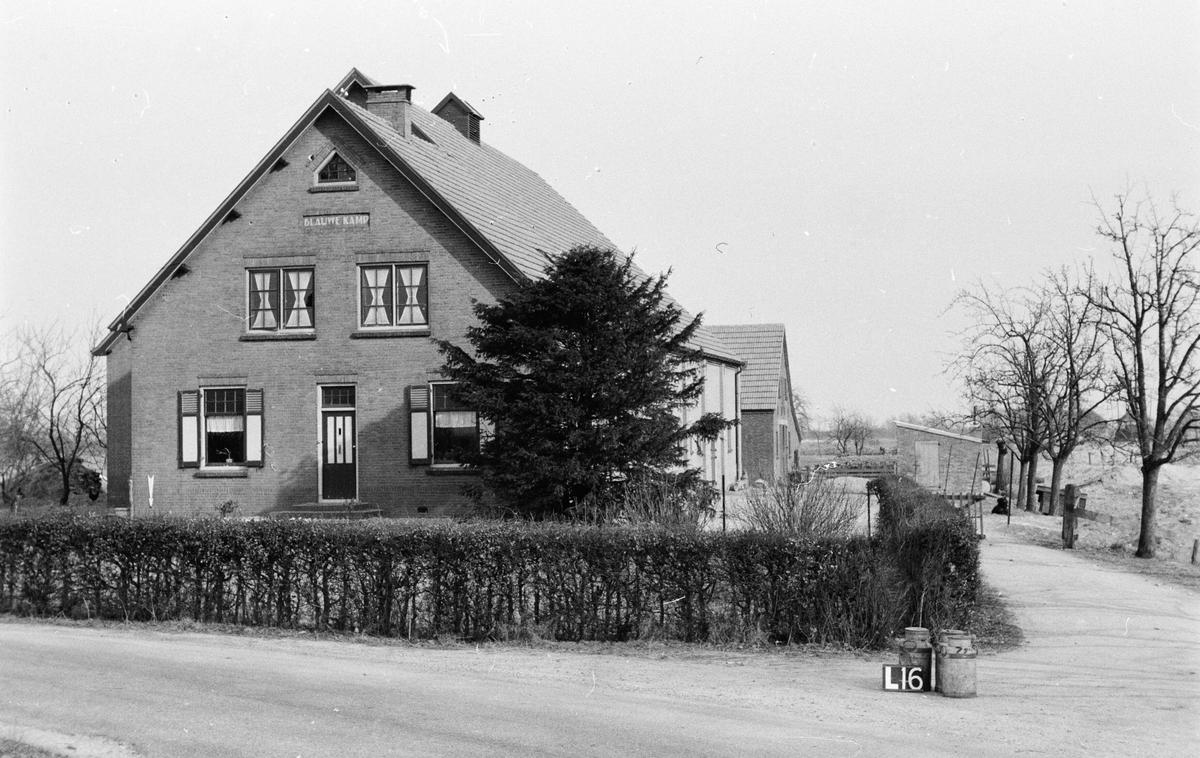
[(461, 116), (391, 103)]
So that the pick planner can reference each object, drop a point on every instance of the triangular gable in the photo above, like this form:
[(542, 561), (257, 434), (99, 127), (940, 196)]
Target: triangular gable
[(453, 98), (355, 77), (764, 349), (327, 101)]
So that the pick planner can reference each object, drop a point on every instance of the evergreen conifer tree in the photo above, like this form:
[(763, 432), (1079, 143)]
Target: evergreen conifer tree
[(582, 374)]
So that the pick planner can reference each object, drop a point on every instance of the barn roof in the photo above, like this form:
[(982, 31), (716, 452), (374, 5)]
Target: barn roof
[(764, 349)]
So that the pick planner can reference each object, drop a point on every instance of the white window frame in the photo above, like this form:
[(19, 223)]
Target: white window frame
[(316, 177), (396, 289), (204, 462), (281, 327)]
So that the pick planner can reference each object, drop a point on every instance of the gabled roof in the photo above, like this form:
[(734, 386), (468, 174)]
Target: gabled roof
[(507, 210), (764, 349), (354, 77), (453, 98)]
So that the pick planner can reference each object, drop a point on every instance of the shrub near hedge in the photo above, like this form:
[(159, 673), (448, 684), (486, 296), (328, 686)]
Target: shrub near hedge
[(934, 549), (473, 581)]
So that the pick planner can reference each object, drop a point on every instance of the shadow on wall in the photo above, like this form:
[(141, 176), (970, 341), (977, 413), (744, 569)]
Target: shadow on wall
[(298, 486), (385, 478)]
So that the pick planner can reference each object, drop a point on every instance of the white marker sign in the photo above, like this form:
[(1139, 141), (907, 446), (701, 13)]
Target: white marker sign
[(905, 679)]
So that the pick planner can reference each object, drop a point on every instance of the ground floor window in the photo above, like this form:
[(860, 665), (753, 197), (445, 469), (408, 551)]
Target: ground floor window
[(444, 431), (225, 426), (455, 427), (220, 426)]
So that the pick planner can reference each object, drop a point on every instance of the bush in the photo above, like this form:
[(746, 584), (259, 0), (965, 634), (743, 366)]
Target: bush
[(817, 508), (673, 500)]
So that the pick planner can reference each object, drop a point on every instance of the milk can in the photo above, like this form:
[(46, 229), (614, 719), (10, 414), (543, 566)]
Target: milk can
[(955, 663), (915, 650)]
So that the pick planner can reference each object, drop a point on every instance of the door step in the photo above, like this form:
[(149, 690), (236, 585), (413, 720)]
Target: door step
[(329, 511)]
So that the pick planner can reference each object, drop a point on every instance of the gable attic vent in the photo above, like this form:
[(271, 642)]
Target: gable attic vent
[(461, 116), (391, 103)]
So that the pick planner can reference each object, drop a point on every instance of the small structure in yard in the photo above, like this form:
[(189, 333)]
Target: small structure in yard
[(939, 460)]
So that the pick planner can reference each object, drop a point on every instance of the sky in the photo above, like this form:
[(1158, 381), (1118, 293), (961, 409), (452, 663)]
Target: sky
[(841, 168)]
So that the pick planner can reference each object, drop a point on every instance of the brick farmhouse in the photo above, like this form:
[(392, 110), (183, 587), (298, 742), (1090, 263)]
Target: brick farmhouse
[(285, 354)]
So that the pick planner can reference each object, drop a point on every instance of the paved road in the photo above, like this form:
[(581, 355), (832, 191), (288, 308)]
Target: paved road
[(1111, 667)]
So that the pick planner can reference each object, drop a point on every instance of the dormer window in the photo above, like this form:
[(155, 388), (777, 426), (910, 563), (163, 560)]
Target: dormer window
[(335, 170)]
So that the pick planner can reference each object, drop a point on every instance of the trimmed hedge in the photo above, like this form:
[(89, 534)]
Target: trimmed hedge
[(934, 548), (473, 581)]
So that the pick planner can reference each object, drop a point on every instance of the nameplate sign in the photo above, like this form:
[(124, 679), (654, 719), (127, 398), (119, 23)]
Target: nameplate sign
[(337, 221)]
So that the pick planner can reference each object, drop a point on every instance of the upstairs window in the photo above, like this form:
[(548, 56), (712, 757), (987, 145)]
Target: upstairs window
[(394, 296), (280, 299), (336, 170)]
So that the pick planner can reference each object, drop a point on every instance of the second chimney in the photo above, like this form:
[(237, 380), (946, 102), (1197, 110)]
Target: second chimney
[(461, 115), (391, 103)]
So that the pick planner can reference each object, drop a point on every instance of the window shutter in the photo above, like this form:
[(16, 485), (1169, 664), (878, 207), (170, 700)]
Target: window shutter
[(254, 428), (189, 429), (418, 423)]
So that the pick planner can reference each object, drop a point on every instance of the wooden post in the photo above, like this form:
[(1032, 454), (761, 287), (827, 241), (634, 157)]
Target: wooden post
[(1008, 516), (1068, 525), (868, 512), (1195, 550)]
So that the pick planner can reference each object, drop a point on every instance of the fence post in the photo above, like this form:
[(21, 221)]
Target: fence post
[(1068, 525)]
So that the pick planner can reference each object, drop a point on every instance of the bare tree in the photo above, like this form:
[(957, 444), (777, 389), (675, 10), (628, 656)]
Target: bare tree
[(1075, 385), (801, 408), (1004, 365), (1150, 310), (18, 457), (938, 418), (850, 428), (57, 414)]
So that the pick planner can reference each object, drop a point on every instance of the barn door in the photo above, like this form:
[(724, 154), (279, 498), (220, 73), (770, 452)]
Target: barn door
[(927, 465), (339, 468)]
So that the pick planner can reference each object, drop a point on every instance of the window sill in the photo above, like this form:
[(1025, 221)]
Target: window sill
[(347, 187), (277, 337), (444, 470), (367, 334), (229, 472)]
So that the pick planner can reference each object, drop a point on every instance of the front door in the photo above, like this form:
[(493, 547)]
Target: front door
[(339, 473)]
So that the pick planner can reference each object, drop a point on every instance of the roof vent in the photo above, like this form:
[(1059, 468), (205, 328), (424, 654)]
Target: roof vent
[(391, 103), (461, 116)]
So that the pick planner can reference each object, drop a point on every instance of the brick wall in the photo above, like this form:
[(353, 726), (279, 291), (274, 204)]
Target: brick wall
[(120, 406), (959, 460), (187, 337)]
